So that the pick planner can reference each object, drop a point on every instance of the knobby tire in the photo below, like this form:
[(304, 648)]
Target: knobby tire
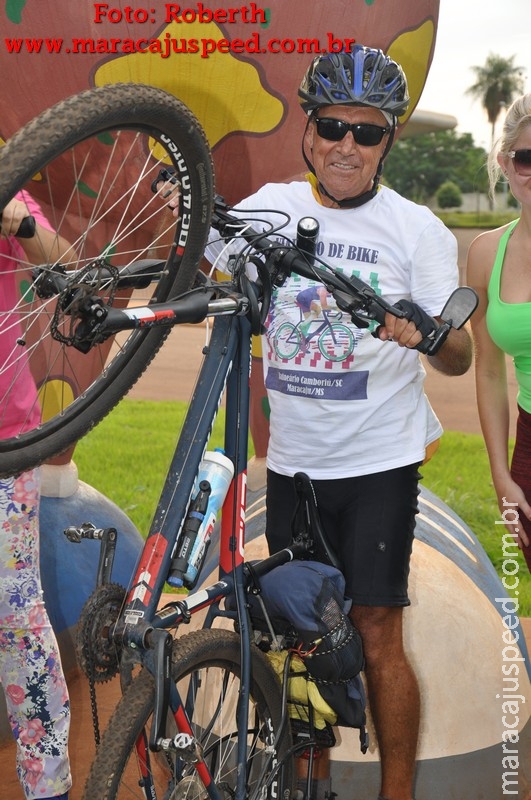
[(209, 660)]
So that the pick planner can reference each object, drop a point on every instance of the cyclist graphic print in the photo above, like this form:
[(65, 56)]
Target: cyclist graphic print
[(306, 329), (335, 340)]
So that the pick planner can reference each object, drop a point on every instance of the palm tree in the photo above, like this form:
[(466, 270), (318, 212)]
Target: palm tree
[(497, 83)]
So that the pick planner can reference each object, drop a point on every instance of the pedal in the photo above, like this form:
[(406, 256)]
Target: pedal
[(184, 745), (108, 538)]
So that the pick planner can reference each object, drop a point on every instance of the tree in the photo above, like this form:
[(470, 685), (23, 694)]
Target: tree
[(418, 165), (497, 84), (449, 195)]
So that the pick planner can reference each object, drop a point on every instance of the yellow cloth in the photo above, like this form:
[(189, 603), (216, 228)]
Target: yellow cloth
[(302, 691)]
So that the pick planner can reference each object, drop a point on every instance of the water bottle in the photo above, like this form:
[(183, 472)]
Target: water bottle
[(213, 481), (218, 470)]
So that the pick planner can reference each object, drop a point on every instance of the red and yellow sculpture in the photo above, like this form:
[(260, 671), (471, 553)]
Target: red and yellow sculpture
[(246, 101)]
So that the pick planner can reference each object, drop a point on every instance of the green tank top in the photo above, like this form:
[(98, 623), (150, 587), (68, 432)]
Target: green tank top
[(509, 326)]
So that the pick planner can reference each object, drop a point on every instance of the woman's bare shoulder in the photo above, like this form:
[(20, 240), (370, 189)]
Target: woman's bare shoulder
[(482, 252)]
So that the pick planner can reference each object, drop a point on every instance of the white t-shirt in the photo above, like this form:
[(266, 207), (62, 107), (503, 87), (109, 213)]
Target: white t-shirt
[(342, 402)]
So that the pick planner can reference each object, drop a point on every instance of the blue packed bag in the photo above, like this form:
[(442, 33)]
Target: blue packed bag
[(304, 602)]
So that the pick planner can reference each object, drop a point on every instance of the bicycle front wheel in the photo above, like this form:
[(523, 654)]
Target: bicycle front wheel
[(90, 162), (206, 670)]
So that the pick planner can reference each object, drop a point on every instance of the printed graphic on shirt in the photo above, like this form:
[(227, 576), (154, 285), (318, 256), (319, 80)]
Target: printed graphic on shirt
[(318, 321), (307, 331), (347, 386)]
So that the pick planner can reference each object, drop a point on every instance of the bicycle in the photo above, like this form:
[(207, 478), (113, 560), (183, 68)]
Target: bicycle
[(335, 341), (202, 715)]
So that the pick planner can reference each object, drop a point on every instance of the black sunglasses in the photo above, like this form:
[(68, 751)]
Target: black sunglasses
[(521, 161), (335, 129)]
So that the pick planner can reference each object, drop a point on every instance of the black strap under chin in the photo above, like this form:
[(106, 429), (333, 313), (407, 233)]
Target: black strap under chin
[(352, 202)]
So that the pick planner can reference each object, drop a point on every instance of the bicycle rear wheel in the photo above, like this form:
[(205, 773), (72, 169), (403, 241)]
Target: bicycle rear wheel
[(206, 670), (90, 162)]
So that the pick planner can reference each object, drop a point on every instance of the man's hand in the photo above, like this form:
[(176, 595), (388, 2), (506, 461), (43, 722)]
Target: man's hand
[(402, 331), (407, 331), (410, 330)]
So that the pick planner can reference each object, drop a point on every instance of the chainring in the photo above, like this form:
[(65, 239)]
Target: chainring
[(97, 653)]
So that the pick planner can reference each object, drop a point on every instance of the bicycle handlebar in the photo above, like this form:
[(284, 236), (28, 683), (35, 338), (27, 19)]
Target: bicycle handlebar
[(97, 320), (26, 228), (352, 295)]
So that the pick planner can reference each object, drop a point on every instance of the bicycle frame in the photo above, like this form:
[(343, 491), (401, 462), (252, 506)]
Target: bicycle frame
[(141, 629), (225, 367)]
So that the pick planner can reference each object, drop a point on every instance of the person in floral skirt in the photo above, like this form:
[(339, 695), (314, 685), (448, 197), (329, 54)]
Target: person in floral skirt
[(30, 665)]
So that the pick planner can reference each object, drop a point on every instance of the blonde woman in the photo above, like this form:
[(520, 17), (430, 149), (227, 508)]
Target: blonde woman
[(499, 268)]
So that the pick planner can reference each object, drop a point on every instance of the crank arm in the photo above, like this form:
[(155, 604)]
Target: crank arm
[(161, 642)]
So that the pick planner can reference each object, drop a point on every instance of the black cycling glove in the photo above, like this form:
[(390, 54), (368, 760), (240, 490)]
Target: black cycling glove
[(422, 321), (434, 335)]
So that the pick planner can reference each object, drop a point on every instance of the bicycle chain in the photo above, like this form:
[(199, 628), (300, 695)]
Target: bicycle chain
[(97, 654)]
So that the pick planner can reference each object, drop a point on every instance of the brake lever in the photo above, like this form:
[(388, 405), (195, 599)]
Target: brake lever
[(227, 225), (365, 308)]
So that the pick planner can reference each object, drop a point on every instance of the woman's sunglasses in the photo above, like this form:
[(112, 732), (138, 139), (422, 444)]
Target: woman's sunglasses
[(335, 129), (521, 160)]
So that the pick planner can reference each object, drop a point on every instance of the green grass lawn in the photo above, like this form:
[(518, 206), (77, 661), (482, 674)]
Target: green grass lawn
[(459, 474), (126, 458), (474, 219)]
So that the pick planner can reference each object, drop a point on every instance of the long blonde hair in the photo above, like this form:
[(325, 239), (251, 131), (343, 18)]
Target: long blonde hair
[(517, 118)]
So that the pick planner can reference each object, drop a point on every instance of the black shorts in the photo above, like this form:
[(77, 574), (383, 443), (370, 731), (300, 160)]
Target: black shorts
[(369, 521)]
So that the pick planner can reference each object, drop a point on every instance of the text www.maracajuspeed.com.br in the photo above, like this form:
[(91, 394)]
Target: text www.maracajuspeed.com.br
[(167, 45)]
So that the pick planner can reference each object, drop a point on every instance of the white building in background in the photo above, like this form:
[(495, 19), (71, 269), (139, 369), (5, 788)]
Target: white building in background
[(428, 122)]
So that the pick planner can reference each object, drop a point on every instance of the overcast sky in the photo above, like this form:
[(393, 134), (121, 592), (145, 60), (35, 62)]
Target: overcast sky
[(468, 31)]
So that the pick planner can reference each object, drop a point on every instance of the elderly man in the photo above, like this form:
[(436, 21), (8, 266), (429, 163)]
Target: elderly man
[(363, 435)]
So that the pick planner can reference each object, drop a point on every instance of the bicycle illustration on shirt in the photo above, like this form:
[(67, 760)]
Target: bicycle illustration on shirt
[(335, 340)]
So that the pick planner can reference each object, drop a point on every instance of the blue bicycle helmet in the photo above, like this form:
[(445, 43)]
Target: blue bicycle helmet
[(362, 77)]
